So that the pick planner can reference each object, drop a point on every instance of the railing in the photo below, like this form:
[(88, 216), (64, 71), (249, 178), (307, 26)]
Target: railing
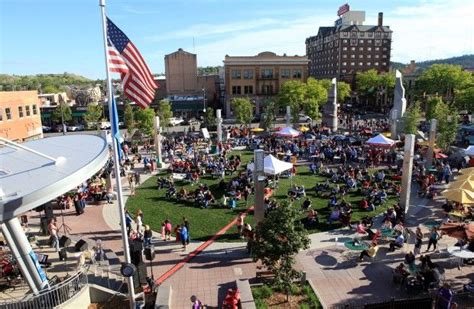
[(53, 297)]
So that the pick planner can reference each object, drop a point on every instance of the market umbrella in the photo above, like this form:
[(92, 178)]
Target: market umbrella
[(462, 184), (387, 134), (467, 171), (464, 177), (272, 166), (366, 131), (257, 130), (462, 196), (469, 151), (303, 129), (440, 155), (458, 230), (288, 132)]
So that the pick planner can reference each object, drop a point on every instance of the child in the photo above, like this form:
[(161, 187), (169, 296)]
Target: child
[(163, 230), (168, 229), (147, 236), (177, 233)]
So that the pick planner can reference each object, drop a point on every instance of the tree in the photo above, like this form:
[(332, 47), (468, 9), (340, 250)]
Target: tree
[(93, 114), (144, 120), (49, 89), (448, 123), (129, 117), (293, 94), (412, 118), (465, 99), (210, 117), (243, 110), (62, 112), (367, 82), (343, 91), (277, 239), (268, 115), (431, 107), (443, 79), (165, 112)]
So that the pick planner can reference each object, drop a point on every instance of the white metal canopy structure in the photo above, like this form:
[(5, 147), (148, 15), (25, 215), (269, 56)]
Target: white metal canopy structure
[(380, 141), (288, 132), (29, 179), (272, 166)]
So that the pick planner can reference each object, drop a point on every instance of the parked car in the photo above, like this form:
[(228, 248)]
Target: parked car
[(105, 125), (46, 129), (176, 121), (57, 128), (76, 127), (304, 118)]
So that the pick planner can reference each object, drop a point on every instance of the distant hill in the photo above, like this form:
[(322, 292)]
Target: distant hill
[(466, 61), (45, 83)]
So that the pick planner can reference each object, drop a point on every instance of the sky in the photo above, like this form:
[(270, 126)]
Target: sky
[(56, 36)]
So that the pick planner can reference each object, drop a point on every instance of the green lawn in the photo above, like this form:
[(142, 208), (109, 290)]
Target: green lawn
[(204, 223)]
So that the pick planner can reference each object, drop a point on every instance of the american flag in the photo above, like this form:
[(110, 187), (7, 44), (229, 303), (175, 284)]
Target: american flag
[(343, 9), (124, 58)]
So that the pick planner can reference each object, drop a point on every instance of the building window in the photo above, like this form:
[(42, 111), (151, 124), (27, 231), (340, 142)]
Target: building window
[(369, 41), (378, 35), (354, 34), (20, 111), (267, 73), (344, 41), (297, 73), (267, 89), (385, 49), (345, 34), (377, 56), (28, 113), (1, 114), (353, 63), (369, 56), (376, 63), (344, 56), (35, 110), (361, 49), (353, 56), (384, 63), (285, 73), (378, 42), (368, 63), (248, 74), (353, 42), (377, 48), (369, 48), (370, 34), (361, 56), (248, 89), (353, 48), (344, 63), (236, 74), (361, 41), (236, 90), (361, 63), (344, 48), (384, 56), (8, 113)]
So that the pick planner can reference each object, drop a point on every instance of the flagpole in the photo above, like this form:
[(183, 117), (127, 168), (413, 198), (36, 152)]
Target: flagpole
[(116, 160)]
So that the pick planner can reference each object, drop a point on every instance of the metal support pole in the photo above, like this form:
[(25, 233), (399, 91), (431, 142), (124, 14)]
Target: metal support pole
[(288, 116), (258, 171), (407, 171), (432, 140), (24, 255), (157, 135), (219, 125)]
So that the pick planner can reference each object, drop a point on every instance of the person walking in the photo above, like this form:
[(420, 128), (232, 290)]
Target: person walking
[(131, 184), (433, 240), (418, 241), (128, 221), (186, 224), (184, 237), (147, 236), (53, 232), (139, 222)]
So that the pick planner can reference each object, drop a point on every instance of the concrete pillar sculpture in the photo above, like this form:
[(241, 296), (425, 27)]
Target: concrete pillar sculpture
[(157, 135), (399, 102), (393, 124), (288, 116), (330, 108), (432, 140), (219, 125), (259, 180), (407, 171)]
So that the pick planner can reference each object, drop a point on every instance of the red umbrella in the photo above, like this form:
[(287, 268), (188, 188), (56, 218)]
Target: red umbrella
[(458, 230), (440, 155)]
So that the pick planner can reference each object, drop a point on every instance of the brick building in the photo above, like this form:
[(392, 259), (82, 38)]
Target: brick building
[(349, 47), (260, 77), (20, 115)]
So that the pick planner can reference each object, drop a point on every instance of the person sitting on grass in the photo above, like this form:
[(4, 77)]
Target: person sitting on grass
[(371, 252), (306, 204), (397, 243), (335, 215)]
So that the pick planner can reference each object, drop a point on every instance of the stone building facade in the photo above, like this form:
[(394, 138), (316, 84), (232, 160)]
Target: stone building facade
[(260, 77), (349, 47)]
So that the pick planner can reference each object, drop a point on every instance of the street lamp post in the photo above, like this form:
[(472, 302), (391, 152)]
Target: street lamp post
[(204, 99), (62, 118)]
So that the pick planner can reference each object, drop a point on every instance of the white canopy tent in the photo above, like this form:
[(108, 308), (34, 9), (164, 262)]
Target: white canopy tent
[(380, 141), (469, 151), (288, 132), (272, 166)]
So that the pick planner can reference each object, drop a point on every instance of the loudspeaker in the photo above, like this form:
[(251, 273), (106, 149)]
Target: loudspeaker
[(139, 277), (81, 245), (149, 253), (64, 241), (62, 254), (136, 248)]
